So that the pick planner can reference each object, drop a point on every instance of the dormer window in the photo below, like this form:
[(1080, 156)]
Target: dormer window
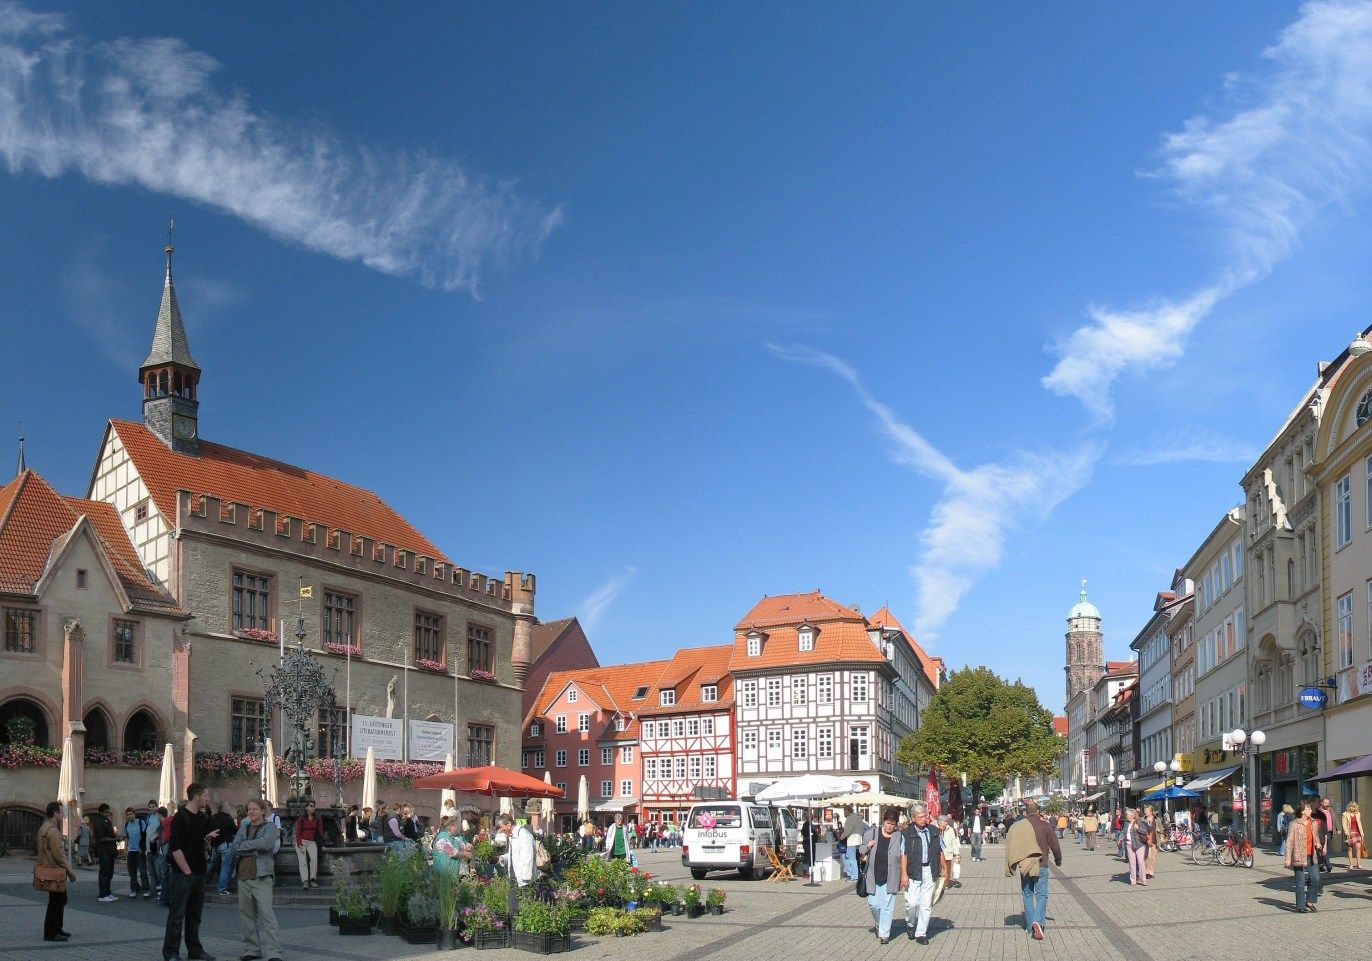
[(755, 643), (666, 698), (709, 693), (535, 729), (620, 724), (571, 695), (807, 638), (640, 693)]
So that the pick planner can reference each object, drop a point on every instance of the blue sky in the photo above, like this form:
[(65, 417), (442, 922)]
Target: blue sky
[(944, 307)]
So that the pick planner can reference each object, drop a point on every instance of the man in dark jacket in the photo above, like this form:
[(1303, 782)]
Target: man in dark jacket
[(923, 850), (106, 847)]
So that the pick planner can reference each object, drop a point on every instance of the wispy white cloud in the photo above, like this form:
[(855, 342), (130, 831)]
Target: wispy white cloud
[(149, 112), (1188, 445), (596, 603), (966, 533), (1294, 143)]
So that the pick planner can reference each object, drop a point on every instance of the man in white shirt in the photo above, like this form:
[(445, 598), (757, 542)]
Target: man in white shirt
[(520, 856)]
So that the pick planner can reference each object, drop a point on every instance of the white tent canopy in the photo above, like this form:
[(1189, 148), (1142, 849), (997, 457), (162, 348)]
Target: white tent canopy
[(806, 789), (865, 798)]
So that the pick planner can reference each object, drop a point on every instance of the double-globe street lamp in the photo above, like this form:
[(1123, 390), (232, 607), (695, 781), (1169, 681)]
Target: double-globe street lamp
[(1162, 768), (1250, 746)]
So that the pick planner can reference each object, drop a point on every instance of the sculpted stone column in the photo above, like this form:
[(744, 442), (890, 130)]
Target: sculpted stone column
[(73, 695)]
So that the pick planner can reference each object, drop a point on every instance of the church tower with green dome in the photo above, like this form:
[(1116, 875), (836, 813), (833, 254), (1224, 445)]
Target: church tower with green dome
[(1085, 646)]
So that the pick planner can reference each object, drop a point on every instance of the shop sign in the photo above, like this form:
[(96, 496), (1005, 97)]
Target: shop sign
[(1313, 698)]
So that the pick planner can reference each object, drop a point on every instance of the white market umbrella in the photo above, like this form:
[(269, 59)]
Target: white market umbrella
[(583, 801), (448, 795), (66, 776), (868, 798), (166, 785), (270, 793), (547, 802), (369, 780), (804, 790)]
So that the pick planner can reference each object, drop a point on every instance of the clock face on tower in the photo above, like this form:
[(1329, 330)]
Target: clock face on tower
[(183, 428)]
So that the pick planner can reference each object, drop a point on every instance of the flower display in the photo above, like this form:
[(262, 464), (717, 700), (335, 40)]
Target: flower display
[(227, 766), (437, 667), (103, 758), (342, 650), (28, 755), (256, 634), (477, 674)]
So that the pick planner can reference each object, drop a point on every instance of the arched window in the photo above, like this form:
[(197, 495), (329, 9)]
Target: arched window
[(142, 733), (1310, 659), (23, 721), (97, 730)]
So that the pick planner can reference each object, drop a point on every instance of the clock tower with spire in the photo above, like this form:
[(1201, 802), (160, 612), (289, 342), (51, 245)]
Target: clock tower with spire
[(170, 376)]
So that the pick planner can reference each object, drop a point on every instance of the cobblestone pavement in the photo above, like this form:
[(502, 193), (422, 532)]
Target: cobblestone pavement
[(1186, 912)]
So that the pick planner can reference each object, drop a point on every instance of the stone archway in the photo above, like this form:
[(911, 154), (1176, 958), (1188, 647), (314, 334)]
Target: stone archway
[(24, 721)]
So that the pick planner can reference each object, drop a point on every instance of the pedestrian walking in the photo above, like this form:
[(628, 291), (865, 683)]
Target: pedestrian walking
[(309, 833), (521, 856), (135, 854), (152, 828), (189, 833), (1028, 846), (1325, 813), (1352, 835), (919, 869), (221, 859), (1304, 840), (164, 864), (1150, 824), (1090, 826), (1283, 822), (976, 829), (854, 827), (106, 843), (52, 872), (1135, 842), (883, 875), (253, 847), (83, 841), (952, 852)]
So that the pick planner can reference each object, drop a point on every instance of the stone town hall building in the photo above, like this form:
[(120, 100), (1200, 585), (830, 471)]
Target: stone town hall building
[(197, 552)]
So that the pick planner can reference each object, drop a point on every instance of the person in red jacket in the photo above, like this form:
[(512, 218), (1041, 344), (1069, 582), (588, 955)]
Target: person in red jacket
[(309, 834)]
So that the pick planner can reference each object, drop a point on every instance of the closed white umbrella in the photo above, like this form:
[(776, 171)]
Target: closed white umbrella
[(369, 780), (270, 792), (166, 785), (547, 802), (66, 776), (506, 807), (448, 795), (583, 800)]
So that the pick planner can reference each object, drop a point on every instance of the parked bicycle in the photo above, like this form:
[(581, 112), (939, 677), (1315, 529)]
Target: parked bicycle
[(1236, 852), (1175, 839), (1205, 850)]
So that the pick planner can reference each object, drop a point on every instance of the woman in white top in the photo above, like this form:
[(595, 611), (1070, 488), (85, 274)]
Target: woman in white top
[(952, 849)]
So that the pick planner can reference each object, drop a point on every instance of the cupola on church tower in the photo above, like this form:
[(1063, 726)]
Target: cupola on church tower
[(171, 377), (1085, 646)]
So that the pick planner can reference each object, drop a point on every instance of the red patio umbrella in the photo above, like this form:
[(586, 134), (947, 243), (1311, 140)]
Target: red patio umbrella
[(489, 781)]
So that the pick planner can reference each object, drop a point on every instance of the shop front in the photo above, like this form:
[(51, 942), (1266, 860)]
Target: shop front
[(1285, 776)]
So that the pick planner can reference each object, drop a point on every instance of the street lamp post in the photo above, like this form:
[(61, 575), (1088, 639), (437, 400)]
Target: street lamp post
[(1250, 745), (1162, 768)]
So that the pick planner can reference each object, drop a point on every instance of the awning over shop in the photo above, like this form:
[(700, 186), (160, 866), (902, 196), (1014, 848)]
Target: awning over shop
[(1209, 779), (614, 807), (1359, 767), (1093, 797), (1151, 788)]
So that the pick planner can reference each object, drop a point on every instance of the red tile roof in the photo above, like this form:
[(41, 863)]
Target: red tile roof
[(34, 519), (260, 482), (688, 669), (1060, 726), (1115, 667), (835, 642), (933, 666), (609, 688), (792, 609)]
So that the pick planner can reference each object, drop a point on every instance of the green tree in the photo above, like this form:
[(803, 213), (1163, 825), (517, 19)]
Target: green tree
[(992, 787), (982, 725)]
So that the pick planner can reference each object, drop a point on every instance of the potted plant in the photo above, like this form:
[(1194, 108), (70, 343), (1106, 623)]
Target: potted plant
[(355, 914), (651, 918), (627, 924), (483, 928), (542, 928), (399, 878), (693, 899), (421, 918), (602, 920), (714, 900), (447, 891)]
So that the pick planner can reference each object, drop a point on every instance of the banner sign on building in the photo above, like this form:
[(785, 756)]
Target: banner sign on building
[(430, 741), (385, 735)]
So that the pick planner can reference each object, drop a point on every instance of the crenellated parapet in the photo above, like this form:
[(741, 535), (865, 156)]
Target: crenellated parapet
[(262, 527)]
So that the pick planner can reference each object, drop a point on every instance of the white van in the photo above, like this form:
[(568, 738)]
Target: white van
[(730, 835)]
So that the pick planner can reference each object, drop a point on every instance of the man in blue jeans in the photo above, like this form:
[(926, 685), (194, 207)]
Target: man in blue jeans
[(1028, 846)]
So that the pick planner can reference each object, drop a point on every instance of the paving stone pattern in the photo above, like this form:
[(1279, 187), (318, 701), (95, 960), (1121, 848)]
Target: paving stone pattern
[(1093, 914)]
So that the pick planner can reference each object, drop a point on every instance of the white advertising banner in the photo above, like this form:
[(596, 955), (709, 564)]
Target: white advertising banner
[(385, 734), (430, 741)]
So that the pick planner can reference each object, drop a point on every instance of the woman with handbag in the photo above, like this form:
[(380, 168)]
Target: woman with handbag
[(52, 871), (1352, 835)]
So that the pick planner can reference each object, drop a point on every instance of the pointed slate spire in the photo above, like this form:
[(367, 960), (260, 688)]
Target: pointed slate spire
[(169, 339)]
